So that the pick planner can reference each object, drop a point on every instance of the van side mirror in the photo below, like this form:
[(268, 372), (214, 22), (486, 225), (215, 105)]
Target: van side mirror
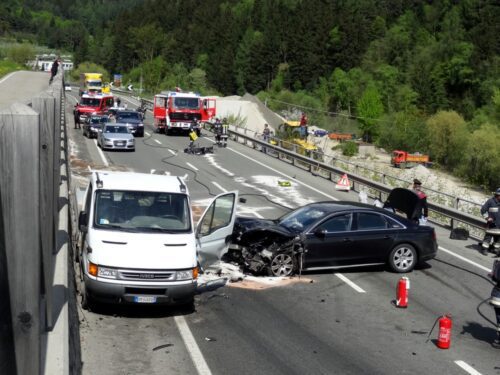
[(83, 221), (320, 232)]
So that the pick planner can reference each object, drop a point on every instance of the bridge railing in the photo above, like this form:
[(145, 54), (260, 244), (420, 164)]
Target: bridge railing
[(32, 183)]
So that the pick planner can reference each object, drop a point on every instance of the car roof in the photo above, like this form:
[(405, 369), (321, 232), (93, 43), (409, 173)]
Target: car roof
[(340, 206), (116, 124), (132, 181)]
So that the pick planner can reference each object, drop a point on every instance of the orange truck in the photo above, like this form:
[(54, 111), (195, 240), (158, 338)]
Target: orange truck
[(340, 136), (403, 159)]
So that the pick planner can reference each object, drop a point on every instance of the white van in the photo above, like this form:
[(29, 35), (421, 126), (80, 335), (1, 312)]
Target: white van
[(137, 240)]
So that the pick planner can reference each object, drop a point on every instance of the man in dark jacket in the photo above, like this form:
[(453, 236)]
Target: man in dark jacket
[(76, 115), (53, 69), (422, 210), (491, 212)]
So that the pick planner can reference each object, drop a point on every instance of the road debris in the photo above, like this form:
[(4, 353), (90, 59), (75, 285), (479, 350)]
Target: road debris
[(162, 346)]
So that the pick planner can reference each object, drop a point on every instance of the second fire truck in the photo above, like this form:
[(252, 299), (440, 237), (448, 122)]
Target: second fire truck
[(175, 111)]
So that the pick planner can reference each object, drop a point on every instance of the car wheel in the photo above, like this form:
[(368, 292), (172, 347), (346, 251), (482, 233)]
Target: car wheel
[(282, 264), (403, 258)]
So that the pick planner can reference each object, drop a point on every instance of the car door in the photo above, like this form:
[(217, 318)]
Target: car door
[(215, 228), (373, 237), (329, 244)]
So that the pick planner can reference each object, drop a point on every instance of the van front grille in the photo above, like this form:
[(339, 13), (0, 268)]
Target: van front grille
[(147, 275)]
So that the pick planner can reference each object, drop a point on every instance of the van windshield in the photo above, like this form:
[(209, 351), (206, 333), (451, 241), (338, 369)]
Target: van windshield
[(142, 211)]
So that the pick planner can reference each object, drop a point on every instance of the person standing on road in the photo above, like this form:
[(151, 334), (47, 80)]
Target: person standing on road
[(495, 298), (76, 115), (303, 125), (491, 212), (422, 210)]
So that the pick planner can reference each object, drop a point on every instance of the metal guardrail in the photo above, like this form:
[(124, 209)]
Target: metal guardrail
[(450, 217), (442, 215)]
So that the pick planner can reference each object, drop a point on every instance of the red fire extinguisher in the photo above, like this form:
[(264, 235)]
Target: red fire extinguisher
[(444, 337), (402, 292)]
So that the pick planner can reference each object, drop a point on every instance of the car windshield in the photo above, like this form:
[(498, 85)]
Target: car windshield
[(91, 102), (128, 115), (98, 120), (115, 129), (189, 103), (300, 219), (142, 211), (94, 83)]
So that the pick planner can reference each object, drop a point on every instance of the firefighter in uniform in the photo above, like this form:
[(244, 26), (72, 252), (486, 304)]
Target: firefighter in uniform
[(224, 133), (491, 212), (218, 131)]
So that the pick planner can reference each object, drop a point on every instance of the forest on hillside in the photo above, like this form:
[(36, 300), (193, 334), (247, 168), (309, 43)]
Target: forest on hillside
[(414, 75)]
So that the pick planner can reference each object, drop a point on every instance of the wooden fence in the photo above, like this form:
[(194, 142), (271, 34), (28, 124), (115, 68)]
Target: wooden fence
[(30, 160)]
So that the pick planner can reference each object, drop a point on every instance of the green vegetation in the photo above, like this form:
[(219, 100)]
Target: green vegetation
[(413, 75), (8, 66)]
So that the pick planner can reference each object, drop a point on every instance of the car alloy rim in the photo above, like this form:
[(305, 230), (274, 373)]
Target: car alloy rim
[(282, 265), (403, 258)]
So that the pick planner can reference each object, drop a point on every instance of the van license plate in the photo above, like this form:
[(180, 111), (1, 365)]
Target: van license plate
[(145, 299)]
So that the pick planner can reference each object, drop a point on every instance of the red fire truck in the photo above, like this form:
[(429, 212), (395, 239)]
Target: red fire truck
[(93, 104), (176, 110)]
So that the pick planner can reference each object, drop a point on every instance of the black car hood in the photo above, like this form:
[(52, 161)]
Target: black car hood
[(246, 224), (403, 200)]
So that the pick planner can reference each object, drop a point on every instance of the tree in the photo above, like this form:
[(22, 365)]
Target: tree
[(481, 162), (447, 138), (369, 110), (21, 53)]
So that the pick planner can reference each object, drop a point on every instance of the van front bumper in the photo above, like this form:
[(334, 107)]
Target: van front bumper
[(102, 291)]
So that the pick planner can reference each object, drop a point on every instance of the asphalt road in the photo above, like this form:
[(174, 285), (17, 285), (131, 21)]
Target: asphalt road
[(21, 87), (325, 323)]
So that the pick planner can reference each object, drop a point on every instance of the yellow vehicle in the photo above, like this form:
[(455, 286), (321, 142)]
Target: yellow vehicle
[(91, 83), (290, 134), (106, 88)]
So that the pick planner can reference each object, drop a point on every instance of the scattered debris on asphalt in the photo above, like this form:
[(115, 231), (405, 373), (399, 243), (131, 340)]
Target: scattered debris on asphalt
[(162, 346), (210, 339)]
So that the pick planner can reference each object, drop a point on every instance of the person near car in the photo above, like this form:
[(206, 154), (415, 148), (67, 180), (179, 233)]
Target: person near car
[(422, 210), (495, 298), (118, 102), (491, 212), (76, 115)]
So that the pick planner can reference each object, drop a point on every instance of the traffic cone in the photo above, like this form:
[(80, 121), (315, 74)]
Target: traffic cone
[(343, 184)]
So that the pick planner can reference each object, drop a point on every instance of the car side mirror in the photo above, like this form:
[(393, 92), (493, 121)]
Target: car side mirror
[(83, 221), (320, 232)]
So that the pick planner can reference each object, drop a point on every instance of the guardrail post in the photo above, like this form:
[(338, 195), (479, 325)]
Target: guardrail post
[(45, 105), (20, 186), (457, 202)]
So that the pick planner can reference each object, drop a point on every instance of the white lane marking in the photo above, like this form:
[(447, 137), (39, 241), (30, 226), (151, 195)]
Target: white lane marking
[(281, 173), (7, 77), (192, 347), (464, 259), (171, 151), (192, 166), (148, 134), (219, 187), (103, 157), (350, 283), (157, 141), (471, 370)]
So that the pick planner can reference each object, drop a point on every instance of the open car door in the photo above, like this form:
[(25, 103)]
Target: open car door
[(215, 228)]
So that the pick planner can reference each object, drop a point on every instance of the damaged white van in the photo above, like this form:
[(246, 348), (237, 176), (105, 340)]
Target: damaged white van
[(137, 241)]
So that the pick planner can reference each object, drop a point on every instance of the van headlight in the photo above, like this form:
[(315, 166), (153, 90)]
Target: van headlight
[(108, 273), (184, 275)]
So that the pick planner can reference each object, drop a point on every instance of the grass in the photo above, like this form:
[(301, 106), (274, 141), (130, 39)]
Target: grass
[(7, 66)]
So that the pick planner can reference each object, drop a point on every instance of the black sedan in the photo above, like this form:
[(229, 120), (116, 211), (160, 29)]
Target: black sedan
[(134, 121), (331, 235), (92, 124)]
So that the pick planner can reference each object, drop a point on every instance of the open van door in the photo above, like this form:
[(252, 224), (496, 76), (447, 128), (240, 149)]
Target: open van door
[(215, 228)]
